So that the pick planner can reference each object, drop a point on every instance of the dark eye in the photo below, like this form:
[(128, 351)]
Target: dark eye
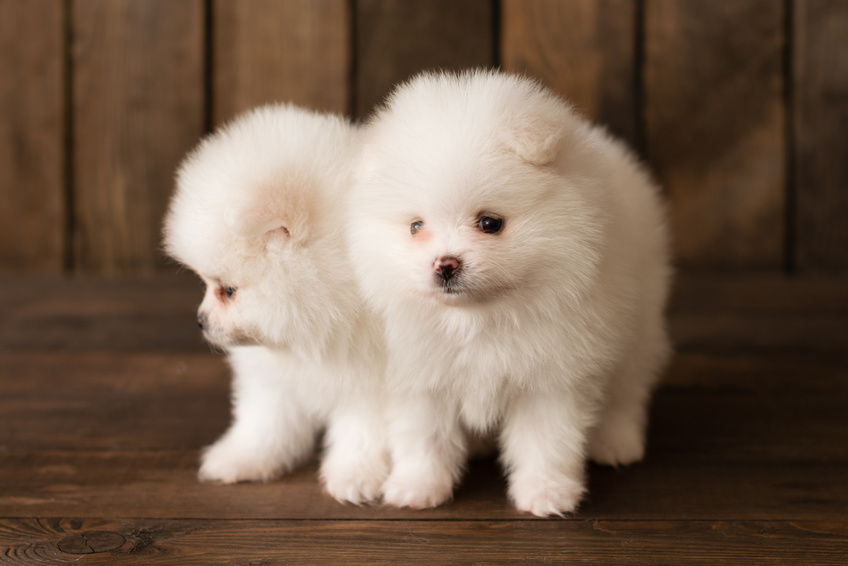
[(490, 225), (224, 293), (416, 226)]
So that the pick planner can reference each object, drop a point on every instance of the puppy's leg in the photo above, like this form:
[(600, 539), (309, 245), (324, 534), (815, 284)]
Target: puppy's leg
[(271, 432), (542, 446), (356, 459), (619, 437), (428, 451)]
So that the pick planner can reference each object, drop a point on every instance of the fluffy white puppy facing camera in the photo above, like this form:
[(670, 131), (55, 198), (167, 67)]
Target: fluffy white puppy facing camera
[(258, 213), (519, 256)]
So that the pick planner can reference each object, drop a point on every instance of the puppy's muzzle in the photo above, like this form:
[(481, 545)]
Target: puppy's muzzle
[(202, 320), (446, 267)]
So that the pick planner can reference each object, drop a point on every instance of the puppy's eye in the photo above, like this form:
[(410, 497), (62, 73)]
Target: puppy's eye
[(225, 293), (416, 226), (490, 225)]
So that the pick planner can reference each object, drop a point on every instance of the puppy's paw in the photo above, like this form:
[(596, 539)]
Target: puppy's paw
[(617, 442), (356, 483), (546, 498), (416, 492), (228, 461)]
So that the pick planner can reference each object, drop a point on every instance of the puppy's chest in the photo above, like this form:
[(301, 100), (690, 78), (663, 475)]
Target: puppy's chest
[(479, 375)]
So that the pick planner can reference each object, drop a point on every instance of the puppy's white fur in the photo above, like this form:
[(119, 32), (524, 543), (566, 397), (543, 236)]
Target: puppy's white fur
[(259, 209), (553, 329)]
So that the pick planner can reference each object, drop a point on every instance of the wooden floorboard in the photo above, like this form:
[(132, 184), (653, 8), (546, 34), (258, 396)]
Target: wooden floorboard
[(166, 542), (163, 485), (107, 395)]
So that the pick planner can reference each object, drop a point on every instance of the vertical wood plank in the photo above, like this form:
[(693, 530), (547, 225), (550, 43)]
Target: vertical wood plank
[(398, 38), (138, 108), (715, 128), (268, 50), (821, 127), (32, 169), (584, 49)]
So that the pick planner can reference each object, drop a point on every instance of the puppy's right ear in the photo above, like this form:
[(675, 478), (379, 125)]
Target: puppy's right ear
[(254, 220), (279, 213)]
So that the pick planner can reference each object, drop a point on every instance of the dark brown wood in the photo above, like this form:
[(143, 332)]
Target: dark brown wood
[(746, 461), (91, 542), (157, 314), (163, 484), (268, 51), (584, 49), (761, 334), (715, 128), (146, 416), (759, 292), (774, 370), (709, 542), (179, 402), (113, 401), (32, 130), (820, 93), (398, 38), (138, 108)]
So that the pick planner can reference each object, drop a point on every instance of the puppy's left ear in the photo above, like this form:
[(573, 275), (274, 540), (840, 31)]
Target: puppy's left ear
[(540, 130)]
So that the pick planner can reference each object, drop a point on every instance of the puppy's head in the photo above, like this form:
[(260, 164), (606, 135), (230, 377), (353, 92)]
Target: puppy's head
[(254, 216), (466, 195)]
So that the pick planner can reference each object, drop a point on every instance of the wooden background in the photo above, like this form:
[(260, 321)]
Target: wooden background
[(739, 106)]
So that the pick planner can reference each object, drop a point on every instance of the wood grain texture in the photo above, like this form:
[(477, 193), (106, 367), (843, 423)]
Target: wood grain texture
[(163, 484), (398, 38), (157, 314), (268, 51), (180, 401), (111, 401), (715, 128), (584, 49), (820, 87), (100, 442), (32, 130), (118, 435), (138, 108), (708, 543), (750, 371)]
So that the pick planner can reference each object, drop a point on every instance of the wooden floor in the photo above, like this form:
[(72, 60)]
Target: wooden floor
[(107, 393)]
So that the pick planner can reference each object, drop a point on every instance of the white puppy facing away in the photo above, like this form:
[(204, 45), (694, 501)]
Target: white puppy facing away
[(519, 256), (259, 213)]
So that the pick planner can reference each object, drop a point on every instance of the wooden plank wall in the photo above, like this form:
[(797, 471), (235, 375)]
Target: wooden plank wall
[(32, 131), (137, 107), (739, 106)]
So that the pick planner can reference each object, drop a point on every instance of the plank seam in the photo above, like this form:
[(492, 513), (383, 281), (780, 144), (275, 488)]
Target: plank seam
[(640, 139), (353, 59), (68, 217), (790, 187), (208, 66)]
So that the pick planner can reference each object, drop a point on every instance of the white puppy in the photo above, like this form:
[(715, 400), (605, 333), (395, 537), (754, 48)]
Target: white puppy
[(259, 214), (519, 257)]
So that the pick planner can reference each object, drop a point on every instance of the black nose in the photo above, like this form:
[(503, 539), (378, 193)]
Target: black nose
[(201, 320), (446, 267)]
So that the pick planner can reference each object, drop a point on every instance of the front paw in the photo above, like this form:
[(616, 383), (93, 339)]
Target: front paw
[(617, 442), (417, 492), (356, 482), (545, 498), (231, 461)]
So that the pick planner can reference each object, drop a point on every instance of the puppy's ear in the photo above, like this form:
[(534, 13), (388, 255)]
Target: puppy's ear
[(273, 213), (253, 220), (538, 133)]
